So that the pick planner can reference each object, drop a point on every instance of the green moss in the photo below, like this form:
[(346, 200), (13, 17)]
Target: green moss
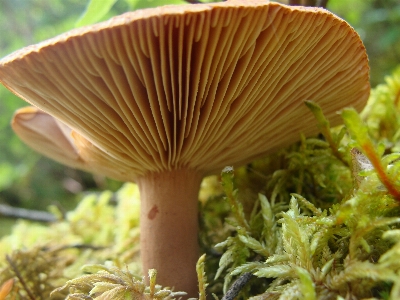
[(317, 220), (102, 228), (333, 239)]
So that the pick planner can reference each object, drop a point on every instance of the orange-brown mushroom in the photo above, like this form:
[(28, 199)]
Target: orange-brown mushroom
[(52, 138), (174, 93)]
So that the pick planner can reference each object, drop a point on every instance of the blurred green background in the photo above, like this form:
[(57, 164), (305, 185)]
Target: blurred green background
[(31, 181)]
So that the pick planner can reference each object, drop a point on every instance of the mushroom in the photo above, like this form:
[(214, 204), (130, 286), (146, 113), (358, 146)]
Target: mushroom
[(175, 93), (52, 138)]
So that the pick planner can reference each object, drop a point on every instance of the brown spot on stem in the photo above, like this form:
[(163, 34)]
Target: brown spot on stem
[(153, 212)]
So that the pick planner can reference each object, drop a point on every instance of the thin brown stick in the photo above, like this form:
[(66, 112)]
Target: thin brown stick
[(20, 278), (237, 286), (239, 283), (80, 247), (27, 214)]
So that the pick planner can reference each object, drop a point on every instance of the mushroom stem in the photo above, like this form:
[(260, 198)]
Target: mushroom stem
[(169, 227)]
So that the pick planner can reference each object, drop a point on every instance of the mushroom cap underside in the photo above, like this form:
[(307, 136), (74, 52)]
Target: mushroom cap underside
[(50, 137), (194, 86)]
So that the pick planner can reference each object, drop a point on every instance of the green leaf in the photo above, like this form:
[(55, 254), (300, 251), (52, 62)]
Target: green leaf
[(201, 277), (266, 209), (248, 267), (327, 268), (278, 258), (317, 111), (391, 158), (224, 262), (281, 271), (152, 281), (255, 245), (306, 284), (227, 180), (95, 10), (325, 128), (355, 126)]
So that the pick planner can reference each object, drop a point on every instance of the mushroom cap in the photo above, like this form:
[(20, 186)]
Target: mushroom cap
[(50, 137), (194, 86)]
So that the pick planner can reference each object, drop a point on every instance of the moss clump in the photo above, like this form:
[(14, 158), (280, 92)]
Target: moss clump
[(317, 220), (326, 223), (41, 258), (110, 282)]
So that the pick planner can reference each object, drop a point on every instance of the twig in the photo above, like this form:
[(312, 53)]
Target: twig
[(237, 286), (20, 278), (80, 247), (27, 214)]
